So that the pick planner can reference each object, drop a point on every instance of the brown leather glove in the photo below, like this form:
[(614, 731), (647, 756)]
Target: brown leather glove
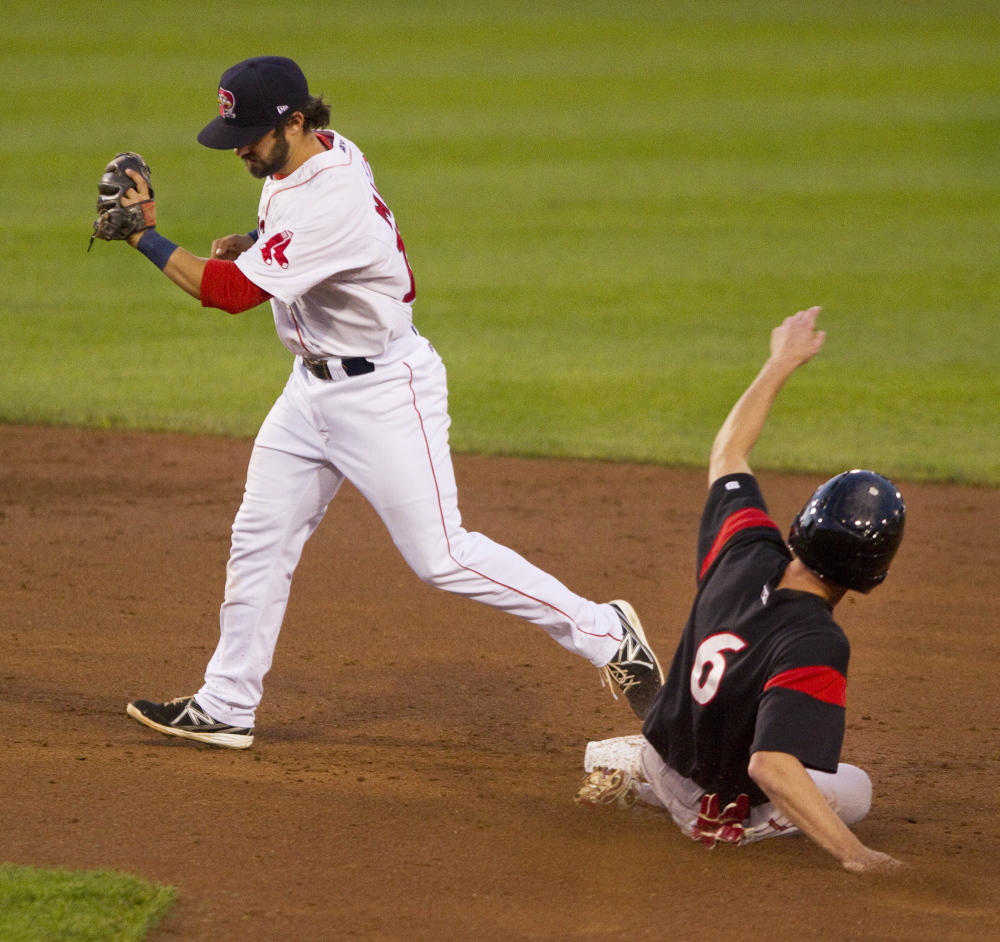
[(115, 221)]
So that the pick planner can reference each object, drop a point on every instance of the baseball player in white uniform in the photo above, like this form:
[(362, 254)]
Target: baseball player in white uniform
[(366, 401)]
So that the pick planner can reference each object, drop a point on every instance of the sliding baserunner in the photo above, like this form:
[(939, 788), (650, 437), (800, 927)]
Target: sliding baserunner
[(743, 740)]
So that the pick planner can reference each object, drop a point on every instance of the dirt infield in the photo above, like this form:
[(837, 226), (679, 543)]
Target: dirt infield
[(417, 753)]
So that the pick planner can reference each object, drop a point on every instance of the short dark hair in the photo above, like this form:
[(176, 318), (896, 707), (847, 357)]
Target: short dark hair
[(315, 114)]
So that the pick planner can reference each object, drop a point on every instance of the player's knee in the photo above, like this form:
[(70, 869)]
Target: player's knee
[(445, 578), (441, 563), (854, 794), (431, 569), (428, 575)]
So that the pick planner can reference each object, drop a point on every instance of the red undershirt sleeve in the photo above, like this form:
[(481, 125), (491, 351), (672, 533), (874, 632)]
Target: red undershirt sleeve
[(224, 286)]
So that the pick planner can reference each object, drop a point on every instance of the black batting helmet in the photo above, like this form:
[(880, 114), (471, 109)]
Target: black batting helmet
[(850, 529)]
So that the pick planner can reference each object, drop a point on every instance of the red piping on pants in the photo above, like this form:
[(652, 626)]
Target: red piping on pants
[(444, 526)]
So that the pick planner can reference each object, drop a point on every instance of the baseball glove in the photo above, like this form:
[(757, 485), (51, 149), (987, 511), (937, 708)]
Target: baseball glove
[(115, 221)]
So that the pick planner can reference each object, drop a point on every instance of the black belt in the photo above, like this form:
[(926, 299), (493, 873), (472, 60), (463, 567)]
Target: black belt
[(352, 366)]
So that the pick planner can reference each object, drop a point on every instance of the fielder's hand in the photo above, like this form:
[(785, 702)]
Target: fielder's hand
[(230, 247), (125, 205)]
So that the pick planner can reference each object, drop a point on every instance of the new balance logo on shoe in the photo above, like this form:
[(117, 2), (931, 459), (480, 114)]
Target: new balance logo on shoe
[(634, 669), (185, 718)]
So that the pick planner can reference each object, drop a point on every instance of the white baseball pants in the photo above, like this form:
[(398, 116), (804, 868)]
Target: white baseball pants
[(387, 433), (848, 791)]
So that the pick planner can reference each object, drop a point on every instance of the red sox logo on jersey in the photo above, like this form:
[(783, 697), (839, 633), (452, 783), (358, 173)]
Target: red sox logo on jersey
[(273, 250), (227, 104)]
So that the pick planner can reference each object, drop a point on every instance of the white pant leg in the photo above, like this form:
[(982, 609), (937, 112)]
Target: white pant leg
[(387, 432), (679, 795), (849, 792), (286, 497)]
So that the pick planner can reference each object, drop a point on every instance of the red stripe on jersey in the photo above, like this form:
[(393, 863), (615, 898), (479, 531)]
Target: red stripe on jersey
[(741, 520), (822, 683), (224, 286)]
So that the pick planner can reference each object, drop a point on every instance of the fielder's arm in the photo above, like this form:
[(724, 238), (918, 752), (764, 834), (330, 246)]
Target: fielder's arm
[(783, 778), (187, 271), (795, 342), (182, 268)]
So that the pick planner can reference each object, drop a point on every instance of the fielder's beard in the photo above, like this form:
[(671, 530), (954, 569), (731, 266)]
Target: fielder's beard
[(275, 161)]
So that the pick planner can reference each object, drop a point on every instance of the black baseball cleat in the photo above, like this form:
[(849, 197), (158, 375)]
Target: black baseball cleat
[(634, 670), (185, 718)]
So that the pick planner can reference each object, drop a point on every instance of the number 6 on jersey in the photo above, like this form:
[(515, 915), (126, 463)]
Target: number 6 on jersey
[(705, 685)]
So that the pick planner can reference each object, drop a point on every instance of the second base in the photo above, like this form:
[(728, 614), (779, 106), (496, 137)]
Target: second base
[(622, 752)]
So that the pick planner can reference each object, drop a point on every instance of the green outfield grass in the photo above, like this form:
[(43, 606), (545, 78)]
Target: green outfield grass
[(64, 906), (607, 206)]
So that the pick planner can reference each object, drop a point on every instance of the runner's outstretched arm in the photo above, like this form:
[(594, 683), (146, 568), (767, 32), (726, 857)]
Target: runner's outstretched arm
[(795, 342), (783, 778)]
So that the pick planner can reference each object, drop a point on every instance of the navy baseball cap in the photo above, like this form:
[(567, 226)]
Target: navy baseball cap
[(254, 96)]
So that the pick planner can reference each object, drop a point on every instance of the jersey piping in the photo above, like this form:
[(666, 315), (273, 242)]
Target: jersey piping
[(447, 538), (294, 186), (327, 145)]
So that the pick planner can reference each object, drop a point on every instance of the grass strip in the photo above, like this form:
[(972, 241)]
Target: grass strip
[(607, 207), (78, 906)]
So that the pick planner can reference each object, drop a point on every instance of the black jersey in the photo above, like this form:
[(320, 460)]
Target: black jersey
[(757, 669)]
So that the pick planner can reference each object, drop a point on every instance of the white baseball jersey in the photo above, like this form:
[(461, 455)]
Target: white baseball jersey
[(332, 258)]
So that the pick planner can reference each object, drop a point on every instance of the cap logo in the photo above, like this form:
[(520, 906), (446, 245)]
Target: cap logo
[(227, 104), (282, 109)]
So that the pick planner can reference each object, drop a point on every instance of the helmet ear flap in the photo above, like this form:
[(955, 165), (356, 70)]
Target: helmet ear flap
[(850, 529)]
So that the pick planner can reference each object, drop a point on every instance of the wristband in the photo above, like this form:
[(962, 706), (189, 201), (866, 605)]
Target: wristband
[(254, 234), (156, 248)]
